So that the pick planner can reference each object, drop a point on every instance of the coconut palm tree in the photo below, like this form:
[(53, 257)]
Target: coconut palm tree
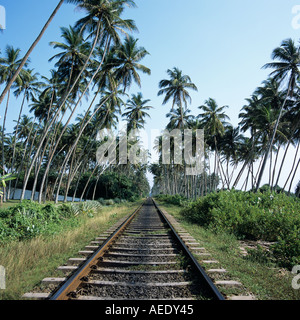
[(26, 57), (103, 17), (287, 68), (73, 57), (176, 89), (229, 145), (176, 118), (213, 119), (136, 111), (8, 67), (127, 63)]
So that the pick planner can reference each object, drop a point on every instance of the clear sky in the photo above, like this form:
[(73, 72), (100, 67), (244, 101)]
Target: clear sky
[(220, 44)]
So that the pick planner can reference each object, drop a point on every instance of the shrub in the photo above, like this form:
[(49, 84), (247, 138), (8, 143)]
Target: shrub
[(109, 202), (287, 249), (264, 216), (29, 219)]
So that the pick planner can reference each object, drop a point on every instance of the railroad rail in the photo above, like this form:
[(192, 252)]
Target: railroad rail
[(143, 259)]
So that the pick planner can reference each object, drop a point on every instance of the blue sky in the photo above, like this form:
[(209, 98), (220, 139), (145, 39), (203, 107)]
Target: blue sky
[(220, 44)]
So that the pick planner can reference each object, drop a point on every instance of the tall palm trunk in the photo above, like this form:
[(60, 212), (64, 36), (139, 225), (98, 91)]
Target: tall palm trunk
[(294, 175), (294, 163), (15, 142), (3, 130), (273, 137), (3, 135)]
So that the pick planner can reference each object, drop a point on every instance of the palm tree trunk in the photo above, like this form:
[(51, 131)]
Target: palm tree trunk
[(296, 169), (270, 169), (240, 174), (15, 142), (282, 162), (3, 130), (295, 158), (12, 80), (273, 138), (274, 170)]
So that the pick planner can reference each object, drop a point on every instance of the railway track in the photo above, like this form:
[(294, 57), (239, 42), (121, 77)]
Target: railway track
[(143, 259)]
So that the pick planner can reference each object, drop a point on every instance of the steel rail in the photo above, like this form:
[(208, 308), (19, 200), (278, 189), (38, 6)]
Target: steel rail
[(209, 283), (63, 292)]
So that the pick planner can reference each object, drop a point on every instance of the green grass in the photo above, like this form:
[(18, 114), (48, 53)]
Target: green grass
[(259, 277), (9, 203), (28, 262)]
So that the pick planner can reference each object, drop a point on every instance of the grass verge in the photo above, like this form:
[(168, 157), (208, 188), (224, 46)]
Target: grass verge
[(28, 262), (260, 277)]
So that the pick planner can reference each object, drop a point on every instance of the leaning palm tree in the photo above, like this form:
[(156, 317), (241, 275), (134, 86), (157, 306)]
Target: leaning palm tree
[(25, 59), (125, 67), (103, 17), (73, 56), (30, 87), (287, 68)]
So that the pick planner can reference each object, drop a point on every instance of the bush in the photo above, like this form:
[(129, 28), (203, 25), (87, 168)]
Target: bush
[(287, 249), (109, 202), (30, 219), (253, 216)]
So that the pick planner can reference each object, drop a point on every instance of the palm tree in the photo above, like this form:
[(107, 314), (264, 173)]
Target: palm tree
[(229, 146), (286, 68), (73, 57), (213, 119), (176, 118), (136, 111), (24, 60), (127, 63), (176, 88), (30, 87), (103, 17), (9, 65)]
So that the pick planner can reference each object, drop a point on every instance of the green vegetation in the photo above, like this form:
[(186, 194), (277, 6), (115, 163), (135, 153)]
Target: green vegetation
[(29, 219), (253, 216), (52, 149), (258, 271), (28, 261)]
